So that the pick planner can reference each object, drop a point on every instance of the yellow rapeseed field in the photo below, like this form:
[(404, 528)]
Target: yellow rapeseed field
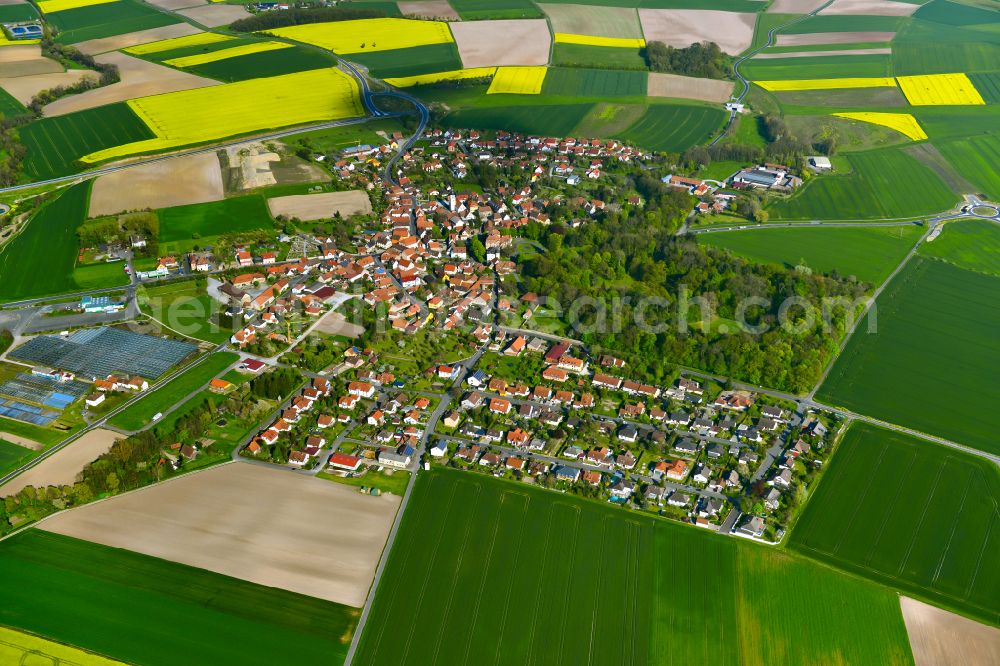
[(901, 122), (6, 42), (21, 648), (518, 80), (225, 54), (203, 115), (588, 40), (828, 84), (50, 6), (366, 35), (939, 89), (453, 75), (199, 39)]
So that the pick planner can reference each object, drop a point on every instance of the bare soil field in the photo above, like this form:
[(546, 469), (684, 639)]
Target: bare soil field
[(20, 52), (869, 8), (215, 15), (116, 42), (432, 9), (23, 88), (817, 54), (21, 441), (732, 31), (794, 6), (592, 20), (174, 5), (513, 42), (334, 323), (63, 467), (26, 60), (319, 206), (689, 87), (297, 533), (139, 78), (176, 182), (811, 38), (941, 638)]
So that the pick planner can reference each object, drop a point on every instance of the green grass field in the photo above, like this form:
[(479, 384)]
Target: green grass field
[(674, 127), (849, 98), (228, 216), (970, 244), (471, 10), (267, 63), (97, 276), (846, 23), (500, 572), (609, 119), (883, 184), (46, 436), (187, 308), (145, 610), (819, 67), (594, 20), (114, 18), (911, 514), (954, 13), (394, 483), (409, 62), (723, 5), (976, 158), (9, 106), (54, 144), (554, 119), (930, 364), (20, 12), (140, 413), (594, 83), (988, 85), (583, 55), (13, 456), (870, 254), (930, 47)]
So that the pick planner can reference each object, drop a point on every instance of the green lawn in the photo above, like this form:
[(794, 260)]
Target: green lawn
[(106, 20), (183, 227), (499, 571), (140, 413), (145, 610), (911, 514), (884, 183), (394, 483), (930, 362), (187, 308), (870, 254), (970, 244), (97, 276)]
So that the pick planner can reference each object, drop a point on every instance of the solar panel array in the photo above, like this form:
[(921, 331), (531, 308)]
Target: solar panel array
[(100, 352), (25, 412)]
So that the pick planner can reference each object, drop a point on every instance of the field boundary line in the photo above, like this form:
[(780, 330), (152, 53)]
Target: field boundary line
[(597, 590), (545, 556), (506, 603), (923, 515), (895, 498), (634, 587), (979, 560), (861, 500), (951, 537)]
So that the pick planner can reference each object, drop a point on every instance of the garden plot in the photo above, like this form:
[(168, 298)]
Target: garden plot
[(24, 88), (321, 206), (175, 182), (732, 31), (139, 78), (62, 468), (869, 8), (813, 38), (432, 9), (117, 42), (215, 15), (688, 87), (513, 42), (266, 526), (621, 22)]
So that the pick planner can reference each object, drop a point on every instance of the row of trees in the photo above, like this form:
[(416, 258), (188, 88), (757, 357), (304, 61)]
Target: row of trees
[(300, 16)]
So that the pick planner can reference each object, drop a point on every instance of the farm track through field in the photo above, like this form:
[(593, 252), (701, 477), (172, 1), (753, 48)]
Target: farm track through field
[(510, 588), (923, 514), (951, 536), (861, 501), (545, 564), (982, 553), (888, 514)]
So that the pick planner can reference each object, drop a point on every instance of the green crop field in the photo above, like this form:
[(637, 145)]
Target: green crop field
[(846, 23), (140, 413), (266, 63), (9, 106), (608, 119), (817, 67), (105, 20), (554, 119), (594, 20), (187, 308), (926, 47), (583, 55), (98, 276), (930, 364), (970, 244), (55, 144), (409, 62), (881, 98), (503, 572), (19, 12), (495, 9), (722, 5), (870, 254), (911, 514), (13, 456), (976, 159), (988, 85), (181, 227), (674, 127), (883, 184), (594, 83), (145, 610), (954, 13)]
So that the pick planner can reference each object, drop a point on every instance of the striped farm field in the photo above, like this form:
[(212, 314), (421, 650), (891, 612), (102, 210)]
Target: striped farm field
[(583, 20), (270, 63), (818, 67), (588, 40), (223, 54), (52, 6), (550, 119), (939, 90), (200, 39), (828, 84), (503, 572), (207, 114), (911, 514), (518, 81), (988, 85), (903, 123), (106, 20), (674, 127), (454, 75), (366, 35), (976, 158), (574, 82), (970, 244)]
